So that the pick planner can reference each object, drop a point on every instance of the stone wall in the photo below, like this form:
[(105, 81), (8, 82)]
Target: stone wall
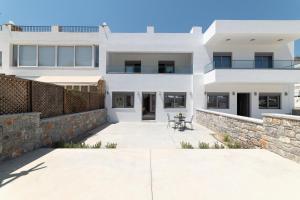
[(276, 132), (247, 131), (20, 133)]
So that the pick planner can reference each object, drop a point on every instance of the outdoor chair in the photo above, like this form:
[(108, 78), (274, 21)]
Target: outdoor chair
[(170, 121), (189, 122)]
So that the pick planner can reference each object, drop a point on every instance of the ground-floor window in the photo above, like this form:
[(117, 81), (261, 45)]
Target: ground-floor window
[(269, 101), (122, 99), (174, 99), (218, 100)]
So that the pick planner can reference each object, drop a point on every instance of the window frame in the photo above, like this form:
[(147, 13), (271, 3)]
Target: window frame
[(125, 94), (174, 100), (217, 94), (262, 55), (1, 58), (136, 63), (75, 57), (222, 55), (268, 95), (36, 55), (166, 63)]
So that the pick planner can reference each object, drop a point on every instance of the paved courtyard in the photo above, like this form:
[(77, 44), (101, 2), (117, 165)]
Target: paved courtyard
[(149, 135), (157, 174)]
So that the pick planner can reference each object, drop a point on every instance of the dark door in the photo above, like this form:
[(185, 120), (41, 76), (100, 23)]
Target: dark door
[(243, 104), (148, 106)]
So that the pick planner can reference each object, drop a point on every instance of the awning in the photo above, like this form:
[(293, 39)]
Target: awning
[(68, 80)]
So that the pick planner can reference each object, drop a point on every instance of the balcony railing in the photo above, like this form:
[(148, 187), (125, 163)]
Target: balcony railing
[(121, 70), (254, 64), (80, 29), (31, 28)]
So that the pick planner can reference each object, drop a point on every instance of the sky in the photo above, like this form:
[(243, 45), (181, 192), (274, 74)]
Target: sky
[(135, 15)]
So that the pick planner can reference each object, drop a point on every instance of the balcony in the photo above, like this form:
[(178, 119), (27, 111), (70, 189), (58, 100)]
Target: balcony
[(251, 71), (253, 64)]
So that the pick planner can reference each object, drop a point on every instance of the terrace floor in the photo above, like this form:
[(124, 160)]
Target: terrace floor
[(149, 135)]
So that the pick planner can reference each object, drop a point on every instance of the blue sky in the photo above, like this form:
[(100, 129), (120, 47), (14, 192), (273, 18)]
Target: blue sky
[(135, 15)]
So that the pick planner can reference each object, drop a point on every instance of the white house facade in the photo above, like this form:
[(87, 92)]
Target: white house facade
[(239, 67)]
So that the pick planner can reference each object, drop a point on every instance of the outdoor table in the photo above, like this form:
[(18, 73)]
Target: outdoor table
[(181, 120)]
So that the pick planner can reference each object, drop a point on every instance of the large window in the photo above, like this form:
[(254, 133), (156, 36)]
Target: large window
[(46, 56), (166, 67), (133, 66), (122, 99), (174, 99), (263, 60), (65, 56), (27, 55), (62, 56), (222, 60), (83, 56), (269, 101), (218, 100)]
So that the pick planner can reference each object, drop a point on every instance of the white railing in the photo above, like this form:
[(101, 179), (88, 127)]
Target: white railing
[(80, 29)]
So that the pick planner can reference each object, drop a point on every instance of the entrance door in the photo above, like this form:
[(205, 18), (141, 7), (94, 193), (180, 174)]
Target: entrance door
[(243, 104), (148, 106)]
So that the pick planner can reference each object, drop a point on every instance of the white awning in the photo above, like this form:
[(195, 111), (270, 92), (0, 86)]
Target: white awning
[(68, 80)]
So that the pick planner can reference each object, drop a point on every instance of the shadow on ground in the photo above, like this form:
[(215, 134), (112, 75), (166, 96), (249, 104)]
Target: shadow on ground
[(8, 167)]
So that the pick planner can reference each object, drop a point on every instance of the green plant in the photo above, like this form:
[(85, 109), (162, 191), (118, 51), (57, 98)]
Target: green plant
[(234, 145), (111, 145), (203, 145), (226, 138), (186, 145), (76, 145), (218, 146)]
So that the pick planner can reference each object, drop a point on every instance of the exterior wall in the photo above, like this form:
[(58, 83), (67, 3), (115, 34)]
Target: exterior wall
[(286, 100), (149, 61), (276, 132), (139, 83), (21, 133)]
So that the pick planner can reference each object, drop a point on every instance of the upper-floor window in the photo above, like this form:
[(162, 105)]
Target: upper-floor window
[(166, 67), (50, 56), (263, 60), (133, 66), (222, 60), (0, 58)]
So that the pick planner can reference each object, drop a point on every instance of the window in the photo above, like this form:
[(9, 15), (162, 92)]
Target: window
[(133, 66), (27, 55), (222, 60), (0, 58), (15, 56), (46, 56), (123, 99), (263, 60), (174, 99), (65, 56), (96, 56), (218, 100), (166, 67), (269, 101), (83, 56)]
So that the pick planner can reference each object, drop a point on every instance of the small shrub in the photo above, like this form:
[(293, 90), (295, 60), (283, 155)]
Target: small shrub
[(226, 138), (218, 146), (234, 145), (111, 145), (203, 145), (97, 145), (186, 145)]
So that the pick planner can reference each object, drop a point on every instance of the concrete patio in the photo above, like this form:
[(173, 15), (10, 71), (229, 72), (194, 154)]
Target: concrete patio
[(141, 174), (149, 135)]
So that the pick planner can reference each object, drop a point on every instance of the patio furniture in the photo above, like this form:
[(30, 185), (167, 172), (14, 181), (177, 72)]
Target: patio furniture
[(179, 122), (170, 120), (189, 122)]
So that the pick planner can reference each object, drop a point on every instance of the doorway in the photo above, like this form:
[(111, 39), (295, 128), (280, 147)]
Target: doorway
[(243, 104), (148, 106)]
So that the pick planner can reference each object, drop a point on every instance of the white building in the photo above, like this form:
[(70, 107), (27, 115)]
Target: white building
[(239, 67)]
